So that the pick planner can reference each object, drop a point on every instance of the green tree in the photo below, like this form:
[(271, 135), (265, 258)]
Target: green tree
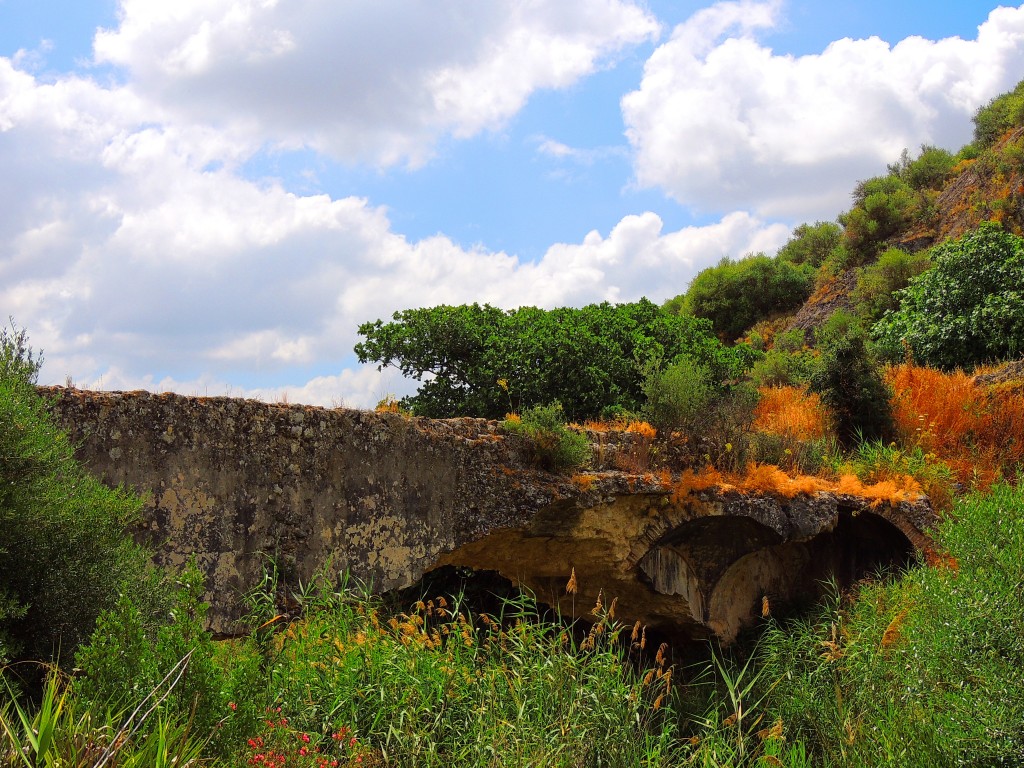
[(64, 553), (587, 358), (967, 309), (734, 295)]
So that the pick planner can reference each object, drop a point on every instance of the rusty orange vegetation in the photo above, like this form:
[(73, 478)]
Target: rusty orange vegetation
[(768, 478), (642, 428), (977, 430), (791, 411), (583, 481)]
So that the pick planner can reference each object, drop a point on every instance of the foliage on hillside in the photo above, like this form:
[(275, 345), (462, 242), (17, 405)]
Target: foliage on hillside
[(734, 295), (967, 309)]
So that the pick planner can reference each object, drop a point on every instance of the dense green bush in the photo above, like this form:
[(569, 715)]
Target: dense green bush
[(812, 244), (849, 383), (883, 206), (967, 309), (998, 116), (555, 446), (734, 295), (789, 362), (64, 555), (129, 655), (878, 283), (586, 358), (928, 171)]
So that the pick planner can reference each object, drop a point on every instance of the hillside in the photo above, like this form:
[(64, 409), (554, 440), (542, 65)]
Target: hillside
[(857, 263)]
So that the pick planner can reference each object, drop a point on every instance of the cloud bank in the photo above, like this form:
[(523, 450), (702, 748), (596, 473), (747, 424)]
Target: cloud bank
[(139, 253), (721, 122)]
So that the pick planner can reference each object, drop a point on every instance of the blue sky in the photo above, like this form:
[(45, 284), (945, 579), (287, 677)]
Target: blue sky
[(210, 196)]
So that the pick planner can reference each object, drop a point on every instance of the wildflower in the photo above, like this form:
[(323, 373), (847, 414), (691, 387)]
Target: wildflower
[(232, 706)]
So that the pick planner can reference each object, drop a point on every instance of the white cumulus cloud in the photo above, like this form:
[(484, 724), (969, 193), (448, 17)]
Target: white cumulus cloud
[(363, 81), (722, 122), (135, 265)]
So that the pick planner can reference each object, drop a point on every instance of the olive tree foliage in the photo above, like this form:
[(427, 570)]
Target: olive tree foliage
[(64, 552), (967, 309), (735, 294), (588, 359)]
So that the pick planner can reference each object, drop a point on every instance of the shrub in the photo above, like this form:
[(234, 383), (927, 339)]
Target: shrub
[(883, 206), (997, 117), (736, 294), (555, 446), (878, 283), (873, 461), (700, 413), (64, 555), (812, 244), (967, 309), (978, 431), (928, 171), (128, 656), (780, 368)]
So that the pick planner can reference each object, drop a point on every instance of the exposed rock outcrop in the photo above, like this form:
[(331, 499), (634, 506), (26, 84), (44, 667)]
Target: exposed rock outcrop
[(232, 481)]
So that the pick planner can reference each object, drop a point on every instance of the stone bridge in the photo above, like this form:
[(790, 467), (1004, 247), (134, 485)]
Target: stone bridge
[(232, 482)]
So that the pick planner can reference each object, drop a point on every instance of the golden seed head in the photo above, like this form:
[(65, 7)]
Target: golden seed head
[(571, 587)]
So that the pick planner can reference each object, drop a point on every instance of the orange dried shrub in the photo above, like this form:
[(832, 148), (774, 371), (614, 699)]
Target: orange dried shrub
[(768, 478), (977, 430), (791, 411), (805, 485), (583, 481), (891, 491), (643, 429), (694, 482)]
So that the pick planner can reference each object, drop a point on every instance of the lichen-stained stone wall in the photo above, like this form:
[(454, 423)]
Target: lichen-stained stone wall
[(228, 481), (232, 482)]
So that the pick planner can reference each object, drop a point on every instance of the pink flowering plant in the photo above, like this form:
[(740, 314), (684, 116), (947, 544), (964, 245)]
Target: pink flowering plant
[(280, 744)]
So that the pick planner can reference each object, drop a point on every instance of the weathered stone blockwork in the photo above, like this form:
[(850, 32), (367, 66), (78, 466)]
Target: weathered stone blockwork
[(231, 481)]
